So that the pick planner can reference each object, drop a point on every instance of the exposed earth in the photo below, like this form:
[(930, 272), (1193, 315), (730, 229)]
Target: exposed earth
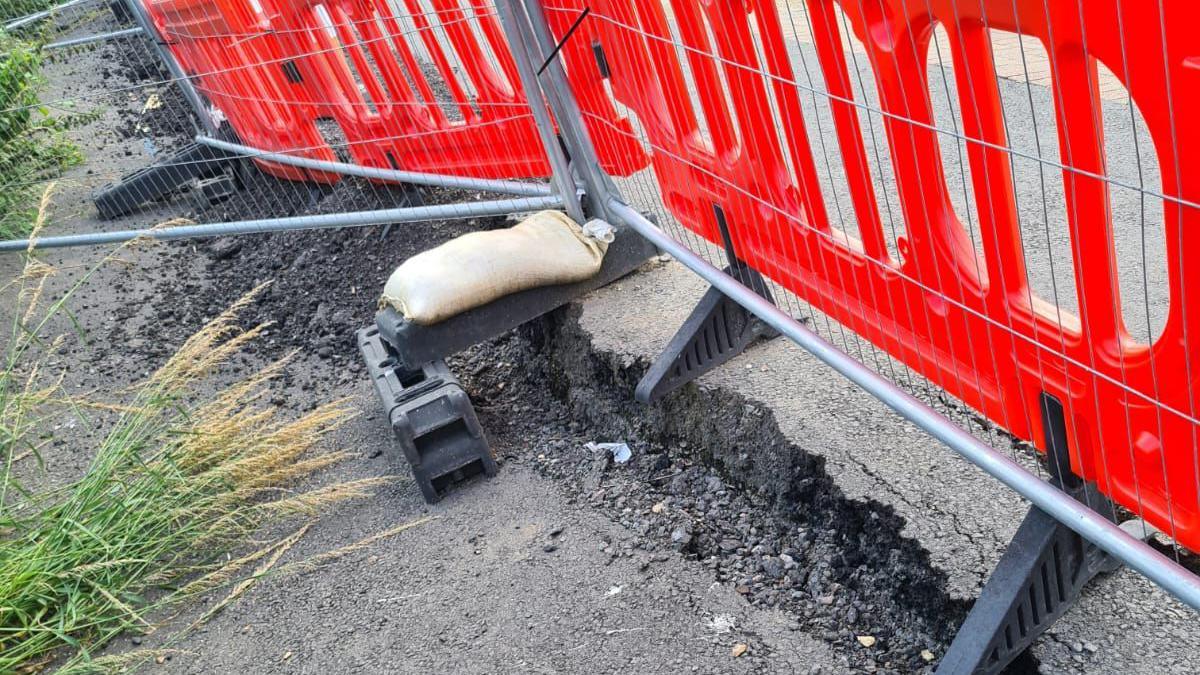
[(728, 543)]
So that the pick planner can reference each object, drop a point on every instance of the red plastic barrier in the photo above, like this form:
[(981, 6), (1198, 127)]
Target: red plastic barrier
[(235, 62), (274, 68), (968, 322), (459, 110), (354, 57)]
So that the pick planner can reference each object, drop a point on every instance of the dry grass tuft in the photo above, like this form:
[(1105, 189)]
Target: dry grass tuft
[(176, 489)]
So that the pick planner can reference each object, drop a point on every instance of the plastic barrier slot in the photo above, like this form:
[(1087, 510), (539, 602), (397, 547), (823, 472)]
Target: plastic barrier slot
[(862, 132), (1139, 228), (943, 72), (1032, 130)]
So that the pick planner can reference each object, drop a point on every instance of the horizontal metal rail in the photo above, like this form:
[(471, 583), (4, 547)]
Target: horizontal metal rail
[(325, 221), (38, 16), (99, 37), (1089, 524), (413, 177)]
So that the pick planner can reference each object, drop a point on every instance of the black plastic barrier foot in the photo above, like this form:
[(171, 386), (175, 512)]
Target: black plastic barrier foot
[(431, 416), (717, 330), (194, 161), (1040, 575)]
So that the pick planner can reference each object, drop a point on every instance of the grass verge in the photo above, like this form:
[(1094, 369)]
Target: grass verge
[(33, 143), (167, 507)]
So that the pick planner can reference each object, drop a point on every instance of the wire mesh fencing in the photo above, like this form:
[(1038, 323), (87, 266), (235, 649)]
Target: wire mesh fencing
[(984, 202), (260, 118)]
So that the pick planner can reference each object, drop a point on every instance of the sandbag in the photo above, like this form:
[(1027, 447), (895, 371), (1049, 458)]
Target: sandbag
[(546, 248)]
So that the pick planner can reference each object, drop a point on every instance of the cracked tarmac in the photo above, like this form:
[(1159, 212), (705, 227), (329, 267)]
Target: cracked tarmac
[(961, 516)]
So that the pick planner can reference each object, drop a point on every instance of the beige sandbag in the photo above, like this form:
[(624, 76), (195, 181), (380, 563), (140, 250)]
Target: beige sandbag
[(544, 249)]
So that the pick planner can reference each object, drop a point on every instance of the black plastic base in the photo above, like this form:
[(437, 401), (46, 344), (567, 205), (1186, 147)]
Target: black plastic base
[(210, 191), (1039, 577), (415, 344), (154, 182), (1036, 581), (432, 418), (717, 330), (428, 410)]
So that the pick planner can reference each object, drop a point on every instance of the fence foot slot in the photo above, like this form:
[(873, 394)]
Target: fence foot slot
[(1040, 575), (717, 330), (432, 417)]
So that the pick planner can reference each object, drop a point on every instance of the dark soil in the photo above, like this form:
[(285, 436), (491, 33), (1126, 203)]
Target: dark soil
[(325, 284), (712, 476)]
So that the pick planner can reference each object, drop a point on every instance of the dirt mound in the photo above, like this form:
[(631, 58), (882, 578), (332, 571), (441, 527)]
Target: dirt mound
[(324, 283)]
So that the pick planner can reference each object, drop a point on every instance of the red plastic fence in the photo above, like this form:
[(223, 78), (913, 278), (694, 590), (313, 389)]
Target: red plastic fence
[(209, 39), (738, 139), (967, 321), (418, 85)]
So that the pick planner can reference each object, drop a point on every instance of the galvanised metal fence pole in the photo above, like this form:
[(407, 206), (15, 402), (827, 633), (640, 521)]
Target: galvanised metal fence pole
[(324, 221), (522, 53), (412, 177), (45, 13), (177, 73), (99, 37)]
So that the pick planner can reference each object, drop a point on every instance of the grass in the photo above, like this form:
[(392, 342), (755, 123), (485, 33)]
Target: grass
[(169, 503), (15, 9), (33, 143)]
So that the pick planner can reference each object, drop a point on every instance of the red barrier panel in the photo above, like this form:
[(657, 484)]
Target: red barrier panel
[(462, 112), (967, 321), (354, 57), (241, 77), (435, 92)]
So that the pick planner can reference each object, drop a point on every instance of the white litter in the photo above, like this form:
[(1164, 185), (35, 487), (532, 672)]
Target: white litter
[(620, 451), (721, 623)]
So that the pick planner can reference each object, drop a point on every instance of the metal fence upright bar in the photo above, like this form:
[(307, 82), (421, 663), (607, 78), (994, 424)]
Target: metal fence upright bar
[(178, 74), (523, 51), (566, 109)]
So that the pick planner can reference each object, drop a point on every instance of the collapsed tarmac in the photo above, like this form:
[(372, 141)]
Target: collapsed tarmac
[(759, 495)]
